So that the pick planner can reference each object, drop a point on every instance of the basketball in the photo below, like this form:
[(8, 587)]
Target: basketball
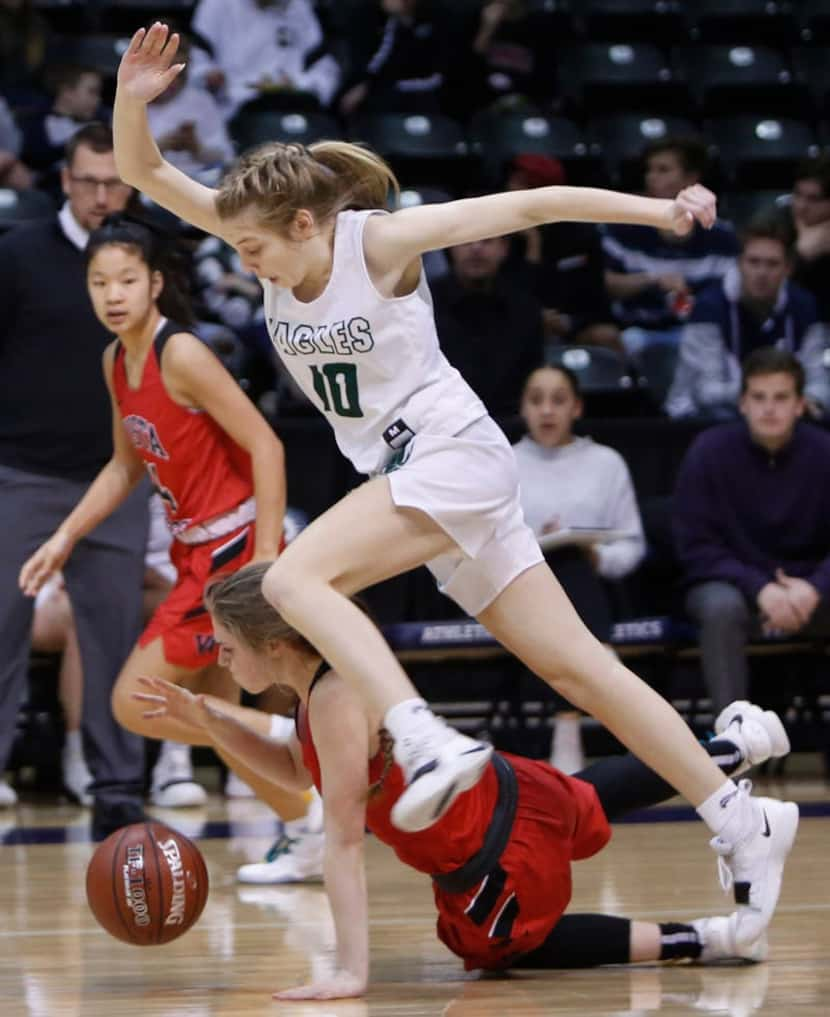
[(146, 884)]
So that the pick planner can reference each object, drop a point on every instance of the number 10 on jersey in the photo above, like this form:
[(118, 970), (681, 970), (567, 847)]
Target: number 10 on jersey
[(336, 385)]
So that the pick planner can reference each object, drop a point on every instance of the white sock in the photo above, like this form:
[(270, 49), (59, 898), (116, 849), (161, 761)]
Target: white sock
[(403, 718), (167, 747), (73, 746), (566, 744), (281, 728), (728, 813)]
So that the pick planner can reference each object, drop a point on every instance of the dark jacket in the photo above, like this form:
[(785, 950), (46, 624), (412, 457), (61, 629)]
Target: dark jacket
[(741, 513), (494, 338), (55, 412)]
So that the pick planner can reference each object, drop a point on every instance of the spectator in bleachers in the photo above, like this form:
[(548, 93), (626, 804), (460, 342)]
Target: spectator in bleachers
[(489, 327), (754, 305), (752, 524), (13, 173), (811, 218), (564, 263), (653, 275), (513, 56), (228, 303), (261, 46), (55, 434), (189, 127), (400, 64), (76, 101), (223, 289), (570, 481)]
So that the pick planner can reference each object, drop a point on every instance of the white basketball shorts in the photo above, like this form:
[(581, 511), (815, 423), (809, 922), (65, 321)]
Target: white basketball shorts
[(469, 485)]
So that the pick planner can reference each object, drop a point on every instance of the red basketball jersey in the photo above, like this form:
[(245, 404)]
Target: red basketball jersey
[(459, 834), (443, 847), (198, 470)]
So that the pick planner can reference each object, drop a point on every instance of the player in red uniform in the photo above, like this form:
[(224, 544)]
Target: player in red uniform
[(211, 456), (499, 858)]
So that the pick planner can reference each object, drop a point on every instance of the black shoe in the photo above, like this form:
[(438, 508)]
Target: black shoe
[(110, 816)]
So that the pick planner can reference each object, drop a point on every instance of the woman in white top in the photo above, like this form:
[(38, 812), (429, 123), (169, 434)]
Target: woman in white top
[(349, 313), (568, 481)]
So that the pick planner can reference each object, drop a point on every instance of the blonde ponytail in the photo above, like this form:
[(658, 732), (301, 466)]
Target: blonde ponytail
[(368, 177), (278, 179)]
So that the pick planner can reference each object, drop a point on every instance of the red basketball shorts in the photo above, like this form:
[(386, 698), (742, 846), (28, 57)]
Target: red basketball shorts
[(182, 620), (512, 910)]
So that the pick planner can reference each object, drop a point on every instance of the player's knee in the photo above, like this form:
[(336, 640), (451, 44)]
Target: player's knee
[(571, 678), (125, 709), (281, 587)]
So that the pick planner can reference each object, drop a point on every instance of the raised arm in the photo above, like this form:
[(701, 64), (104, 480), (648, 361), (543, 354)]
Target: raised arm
[(400, 237), (240, 732), (145, 71)]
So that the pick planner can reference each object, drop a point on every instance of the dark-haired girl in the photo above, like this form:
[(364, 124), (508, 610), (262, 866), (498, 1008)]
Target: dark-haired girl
[(212, 458)]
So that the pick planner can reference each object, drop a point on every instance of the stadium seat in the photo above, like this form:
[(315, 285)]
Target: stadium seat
[(128, 15), (657, 362), (622, 138), (739, 79), (811, 67), (815, 21), (609, 386), (773, 22), (761, 152), (249, 127), (77, 17), (98, 51), (429, 148), (742, 206), (662, 22), (500, 136), (66, 16), (411, 196), (601, 78), (18, 207)]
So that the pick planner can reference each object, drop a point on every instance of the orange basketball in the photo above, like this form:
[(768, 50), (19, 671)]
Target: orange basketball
[(147, 884)]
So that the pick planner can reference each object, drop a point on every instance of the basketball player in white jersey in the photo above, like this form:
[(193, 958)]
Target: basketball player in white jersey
[(350, 315)]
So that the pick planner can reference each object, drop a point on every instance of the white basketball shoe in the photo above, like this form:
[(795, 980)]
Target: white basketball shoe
[(438, 764), (759, 734)]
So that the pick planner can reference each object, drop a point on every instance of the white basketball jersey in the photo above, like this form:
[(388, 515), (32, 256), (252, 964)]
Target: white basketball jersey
[(372, 364)]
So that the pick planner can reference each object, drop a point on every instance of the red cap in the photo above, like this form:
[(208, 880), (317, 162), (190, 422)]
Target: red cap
[(539, 170)]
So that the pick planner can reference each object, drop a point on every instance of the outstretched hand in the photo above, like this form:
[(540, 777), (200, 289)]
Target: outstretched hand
[(147, 67), (693, 204), (170, 701)]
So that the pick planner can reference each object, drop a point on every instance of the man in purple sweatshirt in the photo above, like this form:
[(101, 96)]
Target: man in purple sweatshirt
[(752, 524)]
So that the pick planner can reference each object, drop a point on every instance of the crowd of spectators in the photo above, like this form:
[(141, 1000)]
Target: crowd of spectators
[(703, 303)]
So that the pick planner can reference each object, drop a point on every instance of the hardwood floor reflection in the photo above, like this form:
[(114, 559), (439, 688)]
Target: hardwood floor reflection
[(55, 961)]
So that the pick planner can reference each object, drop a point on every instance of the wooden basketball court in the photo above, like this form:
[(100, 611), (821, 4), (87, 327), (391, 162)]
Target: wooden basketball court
[(55, 960)]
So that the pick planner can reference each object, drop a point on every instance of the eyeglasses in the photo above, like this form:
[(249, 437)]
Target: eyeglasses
[(90, 185)]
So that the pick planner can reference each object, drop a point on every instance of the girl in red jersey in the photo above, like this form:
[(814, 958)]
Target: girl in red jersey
[(499, 858), (213, 459)]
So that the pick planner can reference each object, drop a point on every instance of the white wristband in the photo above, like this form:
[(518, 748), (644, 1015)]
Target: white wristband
[(281, 728)]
